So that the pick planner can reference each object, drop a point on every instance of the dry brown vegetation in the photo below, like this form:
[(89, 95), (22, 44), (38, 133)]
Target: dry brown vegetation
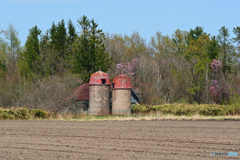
[(48, 93)]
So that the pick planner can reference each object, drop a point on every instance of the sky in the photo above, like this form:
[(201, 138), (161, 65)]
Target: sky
[(123, 16)]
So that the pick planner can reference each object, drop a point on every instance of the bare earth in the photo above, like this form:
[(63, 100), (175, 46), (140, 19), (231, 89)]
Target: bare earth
[(118, 139)]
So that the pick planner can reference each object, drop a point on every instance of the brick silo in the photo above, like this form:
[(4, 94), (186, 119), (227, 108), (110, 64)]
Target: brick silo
[(121, 95), (99, 95)]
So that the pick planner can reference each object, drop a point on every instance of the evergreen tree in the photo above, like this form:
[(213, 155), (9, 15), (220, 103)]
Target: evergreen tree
[(53, 34), (58, 35), (72, 35), (61, 38), (226, 49), (32, 51), (236, 31), (213, 48), (44, 42), (195, 34), (90, 54)]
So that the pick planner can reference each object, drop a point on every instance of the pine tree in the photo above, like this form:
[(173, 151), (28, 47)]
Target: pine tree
[(213, 48), (72, 35), (58, 35), (30, 55), (226, 49), (195, 34), (90, 54), (236, 31), (53, 34), (61, 38)]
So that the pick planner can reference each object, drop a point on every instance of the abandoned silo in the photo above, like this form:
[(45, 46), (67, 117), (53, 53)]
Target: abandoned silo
[(121, 95), (99, 94)]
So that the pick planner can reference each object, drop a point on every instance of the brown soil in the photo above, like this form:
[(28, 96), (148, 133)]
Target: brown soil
[(121, 140)]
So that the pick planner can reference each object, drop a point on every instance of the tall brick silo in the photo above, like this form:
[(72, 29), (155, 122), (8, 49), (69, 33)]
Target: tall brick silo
[(121, 95), (99, 95)]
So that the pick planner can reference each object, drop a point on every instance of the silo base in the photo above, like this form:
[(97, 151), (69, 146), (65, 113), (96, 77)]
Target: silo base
[(121, 102), (99, 100)]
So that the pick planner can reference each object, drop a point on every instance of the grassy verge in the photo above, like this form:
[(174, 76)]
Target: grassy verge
[(137, 117), (24, 113)]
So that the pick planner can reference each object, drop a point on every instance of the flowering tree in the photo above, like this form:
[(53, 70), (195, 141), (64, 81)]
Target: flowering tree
[(215, 65), (219, 89), (127, 69)]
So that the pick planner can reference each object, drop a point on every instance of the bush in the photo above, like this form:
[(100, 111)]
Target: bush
[(24, 113), (190, 109), (40, 113)]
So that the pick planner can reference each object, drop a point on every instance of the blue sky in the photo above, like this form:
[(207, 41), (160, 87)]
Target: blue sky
[(123, 16)]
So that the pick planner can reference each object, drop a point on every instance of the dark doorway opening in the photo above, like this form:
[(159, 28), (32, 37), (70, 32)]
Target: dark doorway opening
[(103, 81)]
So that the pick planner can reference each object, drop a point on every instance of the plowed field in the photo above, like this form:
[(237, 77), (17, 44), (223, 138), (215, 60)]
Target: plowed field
[(121, 140)]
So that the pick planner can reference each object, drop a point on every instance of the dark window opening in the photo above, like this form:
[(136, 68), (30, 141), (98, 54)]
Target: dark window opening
[(103, 81)]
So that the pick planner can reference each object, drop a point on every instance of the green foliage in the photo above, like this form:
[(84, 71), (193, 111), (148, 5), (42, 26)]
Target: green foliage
[(213, 48), (24, 113), (9, 52), (179, 39), (236, 31), (197, 55), (226, 50), (31, 53), (58, 36), (72, 35), (90, 54), (190, 109), (169, 69), (40, 113), (3, 66), (195, 34)]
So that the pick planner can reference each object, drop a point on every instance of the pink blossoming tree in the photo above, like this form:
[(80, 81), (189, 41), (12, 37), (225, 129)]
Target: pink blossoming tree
[(128, 69), (219, 89)]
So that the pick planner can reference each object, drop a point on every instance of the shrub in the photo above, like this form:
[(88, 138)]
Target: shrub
[(40, 113), (190, 109), (24, 113)]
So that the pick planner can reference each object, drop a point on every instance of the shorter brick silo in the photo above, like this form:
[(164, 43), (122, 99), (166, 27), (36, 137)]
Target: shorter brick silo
[(121, 95), (99, 96)]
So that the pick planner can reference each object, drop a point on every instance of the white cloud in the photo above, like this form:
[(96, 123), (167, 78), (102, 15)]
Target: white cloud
[(39, 1)]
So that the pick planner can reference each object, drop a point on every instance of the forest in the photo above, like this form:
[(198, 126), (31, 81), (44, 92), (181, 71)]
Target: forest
[(191, 66)]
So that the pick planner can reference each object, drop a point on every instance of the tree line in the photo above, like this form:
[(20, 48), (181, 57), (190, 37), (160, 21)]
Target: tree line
[(188, 66)]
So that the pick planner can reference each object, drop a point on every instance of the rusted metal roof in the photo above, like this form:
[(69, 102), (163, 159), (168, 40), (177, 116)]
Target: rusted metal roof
[(122, 82), (83, 93), (99, 78), (80, 93)]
